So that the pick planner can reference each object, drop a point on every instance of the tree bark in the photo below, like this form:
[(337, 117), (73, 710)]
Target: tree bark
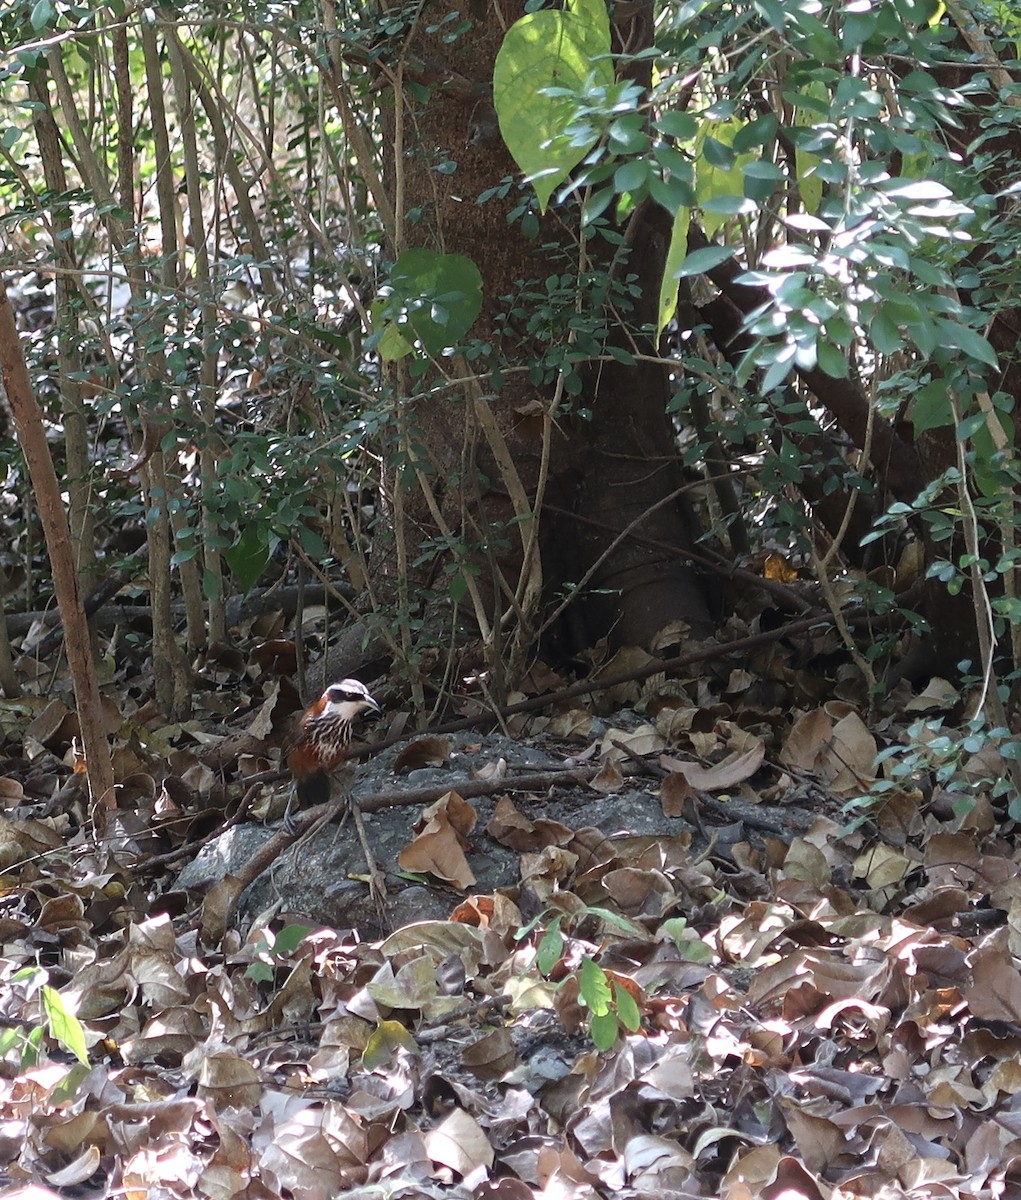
[(28, 422), (607, 453)]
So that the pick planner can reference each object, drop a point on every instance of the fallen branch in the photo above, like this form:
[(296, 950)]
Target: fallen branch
[(540, 781)]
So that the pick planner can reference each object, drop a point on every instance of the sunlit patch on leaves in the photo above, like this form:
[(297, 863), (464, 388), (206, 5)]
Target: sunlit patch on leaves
[(63, 1024), (383, 1044), (432, 299), (546, 56)]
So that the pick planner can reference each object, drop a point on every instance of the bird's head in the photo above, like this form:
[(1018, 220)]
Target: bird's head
[(347, 700)]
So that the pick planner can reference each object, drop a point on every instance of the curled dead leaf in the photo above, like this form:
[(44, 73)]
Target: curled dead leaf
[(674, 794), (422, 752), (609, 780), (437, 849), (834, 743), (734, 769)]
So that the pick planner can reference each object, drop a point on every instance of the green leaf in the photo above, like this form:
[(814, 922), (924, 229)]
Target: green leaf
[(594, 987), (551, 947), (212, 584), (631, 175), (885, 335), (384, 1042), (290, 938), (437, 295), (10, 1040), (63, 1024), (778, 371), (676, 253), (680, 125), (43, 13), (989, 479), (31, 1053), (596, 17), (627, 1009), (962, 337), (719, 171), (457, 587), (701, 261), (840, 330), (259, 972), (831, 360), (249, 556), (614, 919), (761, 178), (759, 132), (603, 1030), (70, 1086), (549, 50), (858, 28), (810, 184), (391, 344), (930, 408)]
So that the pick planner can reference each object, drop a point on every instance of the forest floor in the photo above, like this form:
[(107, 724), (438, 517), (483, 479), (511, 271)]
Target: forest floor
[(668, 938)]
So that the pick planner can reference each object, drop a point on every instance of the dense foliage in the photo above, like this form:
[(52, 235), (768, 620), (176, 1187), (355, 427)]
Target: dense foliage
[(236, 317), (670, 345)]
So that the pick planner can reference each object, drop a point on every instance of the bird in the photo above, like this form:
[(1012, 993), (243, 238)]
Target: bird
[(323, 741)]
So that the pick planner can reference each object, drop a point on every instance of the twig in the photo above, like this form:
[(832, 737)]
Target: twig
[(644, 768), (191, 848), (469, 788)]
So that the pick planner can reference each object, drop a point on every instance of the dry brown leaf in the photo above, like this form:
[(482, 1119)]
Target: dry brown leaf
[(78, 1170), (217, 905), (882, 866), (442, 940), (492, 1056), (675, 724), (314, 1151), (640, 893), (459, 1143), (575, 724), (55, 725), (734, 769), (792, 1182), (11, 791), (806, 862), (223, 1077), (261, 724), (834, 743), (413, 985), (819, 1140), (609, 780), (511, 828), (643, 740), (657, 1164), (422, 752), (994, 992), (437, 849), (938, 695), (675, 792)]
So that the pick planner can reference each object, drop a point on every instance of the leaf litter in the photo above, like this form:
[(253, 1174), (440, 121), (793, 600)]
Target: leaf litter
[(700, 962)]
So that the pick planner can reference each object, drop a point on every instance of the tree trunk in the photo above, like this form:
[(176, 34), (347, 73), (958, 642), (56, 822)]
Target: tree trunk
[(607, 454)]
